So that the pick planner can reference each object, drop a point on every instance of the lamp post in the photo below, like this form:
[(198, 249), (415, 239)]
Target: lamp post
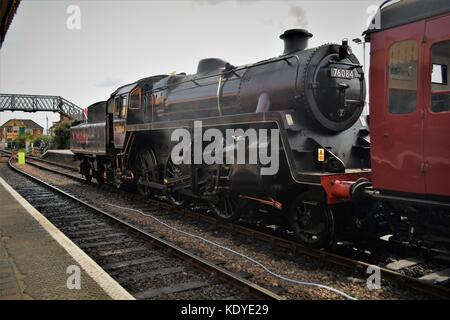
[(359, 41)]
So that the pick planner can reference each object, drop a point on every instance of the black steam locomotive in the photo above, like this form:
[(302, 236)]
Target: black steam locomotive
[(311, 98)]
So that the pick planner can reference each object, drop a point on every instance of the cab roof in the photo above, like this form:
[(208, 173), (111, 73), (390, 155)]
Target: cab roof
[(125, 89)]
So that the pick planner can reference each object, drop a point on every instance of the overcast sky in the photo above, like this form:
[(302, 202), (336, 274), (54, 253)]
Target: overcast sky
[(121, 41)]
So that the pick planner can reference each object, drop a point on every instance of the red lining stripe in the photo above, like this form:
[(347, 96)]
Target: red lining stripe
[(441, 92)]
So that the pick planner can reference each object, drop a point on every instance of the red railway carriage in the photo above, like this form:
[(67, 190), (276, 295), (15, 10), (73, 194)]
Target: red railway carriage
[(410, 115), (409, 101)]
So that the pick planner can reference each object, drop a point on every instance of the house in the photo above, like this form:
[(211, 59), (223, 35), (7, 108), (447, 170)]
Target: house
[(62, 119), (11, 129)]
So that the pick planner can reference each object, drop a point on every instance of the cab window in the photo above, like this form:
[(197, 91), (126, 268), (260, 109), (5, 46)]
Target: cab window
[(121, 106), (123, 112), (135, 98), (117, 106), (403, 65), (440, 88)]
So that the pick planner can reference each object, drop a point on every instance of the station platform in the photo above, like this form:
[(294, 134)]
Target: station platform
[(37, 261), (66, 152), (61, 156)]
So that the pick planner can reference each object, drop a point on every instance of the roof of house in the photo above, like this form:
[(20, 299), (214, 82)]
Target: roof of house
[(28, 123)]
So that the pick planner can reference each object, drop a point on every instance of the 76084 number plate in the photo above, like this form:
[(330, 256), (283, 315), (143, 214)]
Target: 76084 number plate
[(342, 73)]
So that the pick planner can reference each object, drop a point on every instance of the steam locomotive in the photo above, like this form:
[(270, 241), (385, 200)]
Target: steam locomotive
[(312, 98), (331, 180)]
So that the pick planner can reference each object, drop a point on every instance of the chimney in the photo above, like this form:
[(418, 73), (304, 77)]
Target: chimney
[(295, 40)]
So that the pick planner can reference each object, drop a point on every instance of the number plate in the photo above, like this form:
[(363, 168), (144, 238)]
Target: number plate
[(342, 73)]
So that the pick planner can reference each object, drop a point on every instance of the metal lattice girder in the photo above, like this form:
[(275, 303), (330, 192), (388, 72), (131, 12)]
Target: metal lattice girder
[(33, 103)]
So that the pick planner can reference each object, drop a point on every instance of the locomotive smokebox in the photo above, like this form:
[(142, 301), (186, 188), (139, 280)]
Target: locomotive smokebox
[(295, 40)]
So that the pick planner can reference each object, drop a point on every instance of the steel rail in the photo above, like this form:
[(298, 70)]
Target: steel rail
[(204, 265), (296, 248)]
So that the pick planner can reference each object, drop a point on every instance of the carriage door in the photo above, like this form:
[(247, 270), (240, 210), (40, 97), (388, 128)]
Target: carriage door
[(437, 105), (397, 144)]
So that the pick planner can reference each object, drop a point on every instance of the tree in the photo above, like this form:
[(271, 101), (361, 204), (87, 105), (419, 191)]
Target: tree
[(61, 138), (22, 140), (42, 141)]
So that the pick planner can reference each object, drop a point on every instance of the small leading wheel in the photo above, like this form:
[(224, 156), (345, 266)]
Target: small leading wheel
[(312, 222), (227, 208), (173, 171)]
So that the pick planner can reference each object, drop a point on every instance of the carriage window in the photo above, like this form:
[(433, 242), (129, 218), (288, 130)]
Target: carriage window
[(403, 63), (440, 88), (135, 98), (439, 74)]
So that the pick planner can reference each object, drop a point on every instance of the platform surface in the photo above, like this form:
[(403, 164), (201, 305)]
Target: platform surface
[(35, 257), (56, 151)]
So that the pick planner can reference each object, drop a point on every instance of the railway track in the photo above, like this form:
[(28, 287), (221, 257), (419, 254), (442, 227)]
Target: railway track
[(405, 271), (54, 163), (147, 266)]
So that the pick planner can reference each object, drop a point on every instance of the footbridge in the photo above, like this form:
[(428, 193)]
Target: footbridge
[(34, 103)]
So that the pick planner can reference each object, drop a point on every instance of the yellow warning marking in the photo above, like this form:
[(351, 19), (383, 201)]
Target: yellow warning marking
[(21, 157), (321, 154)]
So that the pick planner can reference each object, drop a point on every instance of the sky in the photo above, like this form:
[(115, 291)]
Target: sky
[(50, 49)]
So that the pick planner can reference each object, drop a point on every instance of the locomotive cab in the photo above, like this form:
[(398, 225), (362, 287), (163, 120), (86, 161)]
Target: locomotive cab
[(118, 107)]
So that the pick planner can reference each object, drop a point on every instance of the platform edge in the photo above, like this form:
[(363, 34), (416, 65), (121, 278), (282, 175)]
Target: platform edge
[(103, 279)]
